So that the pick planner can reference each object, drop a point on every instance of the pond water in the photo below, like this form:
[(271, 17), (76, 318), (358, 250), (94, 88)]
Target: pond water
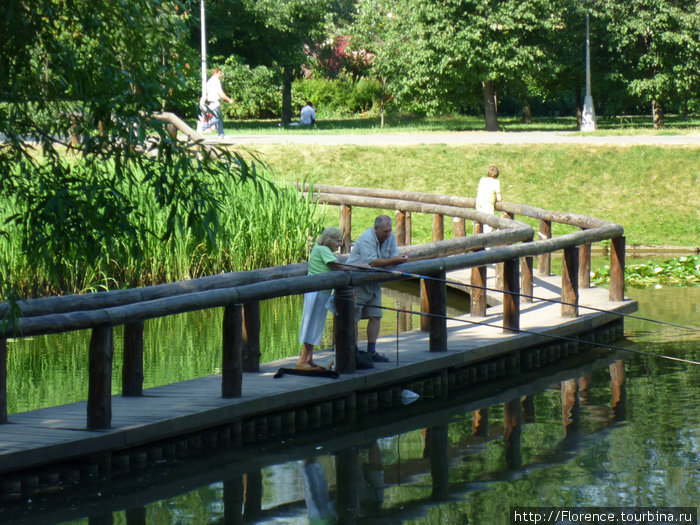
[(629, 435)]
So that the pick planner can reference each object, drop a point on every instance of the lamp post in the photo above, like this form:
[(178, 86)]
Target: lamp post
[(588, 118), (203, 26)]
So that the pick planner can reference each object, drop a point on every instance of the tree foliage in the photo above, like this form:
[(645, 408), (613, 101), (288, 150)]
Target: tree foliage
[(97, 69)]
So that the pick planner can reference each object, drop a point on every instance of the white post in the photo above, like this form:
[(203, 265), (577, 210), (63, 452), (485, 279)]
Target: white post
[(204, 49), (588, 118)]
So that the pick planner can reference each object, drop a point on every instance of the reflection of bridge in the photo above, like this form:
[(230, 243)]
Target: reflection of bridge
[(239, 465), (521, 334)]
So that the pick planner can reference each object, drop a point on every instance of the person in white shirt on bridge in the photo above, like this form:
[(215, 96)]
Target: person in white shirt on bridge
[(488, 194)]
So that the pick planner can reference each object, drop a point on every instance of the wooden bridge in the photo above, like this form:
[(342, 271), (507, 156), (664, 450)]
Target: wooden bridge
[(540, 319)]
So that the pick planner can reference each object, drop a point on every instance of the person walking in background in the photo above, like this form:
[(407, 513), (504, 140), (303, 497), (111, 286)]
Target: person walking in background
[(376, 247), (313, 321), (212, 103), (488, 194)]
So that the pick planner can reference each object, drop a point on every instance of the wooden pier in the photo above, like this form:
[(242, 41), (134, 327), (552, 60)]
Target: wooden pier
[(270, 407), (245, 403)]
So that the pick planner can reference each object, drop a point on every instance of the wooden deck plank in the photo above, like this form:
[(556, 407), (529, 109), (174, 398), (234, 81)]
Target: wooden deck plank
[(55, 433)]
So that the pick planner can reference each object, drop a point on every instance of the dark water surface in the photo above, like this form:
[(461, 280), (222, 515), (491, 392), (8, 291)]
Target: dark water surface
[(613, 429)]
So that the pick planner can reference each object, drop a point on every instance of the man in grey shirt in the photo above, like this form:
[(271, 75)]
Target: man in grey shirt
[(375, 247)]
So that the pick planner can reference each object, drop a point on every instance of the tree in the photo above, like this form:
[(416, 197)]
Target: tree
[(442, 53), (273, 33), (99, 70), (657, 43)]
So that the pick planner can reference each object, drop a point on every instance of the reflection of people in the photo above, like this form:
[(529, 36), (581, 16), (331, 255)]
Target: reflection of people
[(307, 116), (321, 260), (488, 194), (318, 501), (371, 490), (376, 247), (214, 94)]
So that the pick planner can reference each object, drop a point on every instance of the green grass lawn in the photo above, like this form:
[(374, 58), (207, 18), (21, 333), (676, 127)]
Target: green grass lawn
[(626, 125), (653, 191)]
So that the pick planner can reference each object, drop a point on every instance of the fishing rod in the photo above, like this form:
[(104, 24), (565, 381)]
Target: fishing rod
[(550, 336), (506, 292)]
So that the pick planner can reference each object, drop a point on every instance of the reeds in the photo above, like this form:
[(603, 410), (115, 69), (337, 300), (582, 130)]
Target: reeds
[(259, 224)]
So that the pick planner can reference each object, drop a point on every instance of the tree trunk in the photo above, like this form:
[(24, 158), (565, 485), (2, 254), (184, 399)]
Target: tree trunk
[(287, 74), (657, 112), (527, 114), (490, 110)]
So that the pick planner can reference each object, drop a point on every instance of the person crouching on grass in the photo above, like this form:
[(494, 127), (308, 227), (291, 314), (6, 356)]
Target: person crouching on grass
[(313, 320)]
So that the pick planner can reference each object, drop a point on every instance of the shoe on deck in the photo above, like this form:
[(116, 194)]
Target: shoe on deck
[(379, 358), (309, 366)]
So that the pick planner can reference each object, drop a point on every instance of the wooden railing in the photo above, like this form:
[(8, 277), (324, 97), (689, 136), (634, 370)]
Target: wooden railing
[(240, 292)]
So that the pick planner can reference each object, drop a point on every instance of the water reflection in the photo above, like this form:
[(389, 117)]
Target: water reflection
[(607, 429)]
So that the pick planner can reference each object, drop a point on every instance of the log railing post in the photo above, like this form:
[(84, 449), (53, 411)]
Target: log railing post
[(584, 265), (512, 429), (544, 260), (409, 229), (438, 227), (251, 337), (400, 228), (619, 390), (617, 269), (569, 283), (459, 227), (345, 330), (436, 295), (99, 403), (132, 369), (346, 227), (478, 280), (3, 380), (511, 297), (526, 277), (232, 350)]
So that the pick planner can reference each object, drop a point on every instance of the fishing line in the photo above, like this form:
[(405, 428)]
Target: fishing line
[(550, 336), (534, 297)]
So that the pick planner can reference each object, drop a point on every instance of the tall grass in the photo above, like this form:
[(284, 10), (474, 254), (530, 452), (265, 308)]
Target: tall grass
[(261, 224)]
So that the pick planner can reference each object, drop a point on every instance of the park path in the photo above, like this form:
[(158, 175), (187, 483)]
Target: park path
[(456, 138)]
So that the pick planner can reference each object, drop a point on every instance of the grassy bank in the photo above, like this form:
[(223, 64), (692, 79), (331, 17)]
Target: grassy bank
[(654, 192)]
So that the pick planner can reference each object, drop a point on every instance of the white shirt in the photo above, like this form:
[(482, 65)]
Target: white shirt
[(214, 92), (308, 115), (486, 195)]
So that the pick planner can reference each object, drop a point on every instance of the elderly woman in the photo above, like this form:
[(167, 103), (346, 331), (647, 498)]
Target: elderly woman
[(321, 260)]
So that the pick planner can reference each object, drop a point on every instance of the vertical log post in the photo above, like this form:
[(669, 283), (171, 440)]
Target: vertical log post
[(511, 299), (253, 495), (617, 269), (438, 445), (409, 229), (438, 227), (99, 403), (570, 407), (544, 260), (526, 277), (512, 428), (251, 337), (569, 282), (424, 306), (3, 380), (619, 392), (346, 227), (436, 297), (345, 328), (459, 227), (584, 265), (347, 474), (478, 279), (234, 498), (232, 350), (132, 368), (480, 422), (400, 228)]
